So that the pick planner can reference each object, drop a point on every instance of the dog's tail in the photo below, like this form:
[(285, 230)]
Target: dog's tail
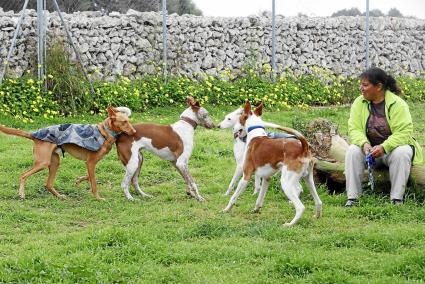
[(15, 132), (299, 136)]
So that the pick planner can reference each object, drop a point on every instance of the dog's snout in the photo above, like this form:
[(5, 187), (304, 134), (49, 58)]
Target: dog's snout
[(131, 131)]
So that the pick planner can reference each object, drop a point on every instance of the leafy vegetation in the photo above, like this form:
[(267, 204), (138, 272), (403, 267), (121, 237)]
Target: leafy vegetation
[(174, 239), (23, 99), (66, 80), (69, 93)]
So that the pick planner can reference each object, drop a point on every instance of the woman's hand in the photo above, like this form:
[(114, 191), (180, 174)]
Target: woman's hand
[(377, 151), (366, 148)]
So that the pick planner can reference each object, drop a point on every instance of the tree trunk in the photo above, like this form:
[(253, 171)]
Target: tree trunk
[(329, 149)]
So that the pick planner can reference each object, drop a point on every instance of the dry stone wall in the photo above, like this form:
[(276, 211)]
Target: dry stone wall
[(131, 44)]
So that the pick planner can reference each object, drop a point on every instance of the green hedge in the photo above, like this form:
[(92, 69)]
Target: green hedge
[(287, 91), (24, 99)]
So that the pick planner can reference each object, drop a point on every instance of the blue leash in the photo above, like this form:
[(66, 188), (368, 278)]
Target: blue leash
[(370, 161)]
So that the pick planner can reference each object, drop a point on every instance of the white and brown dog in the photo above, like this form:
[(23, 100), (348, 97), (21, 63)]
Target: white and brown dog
[(231, 120), (170, 142), (265, 156)]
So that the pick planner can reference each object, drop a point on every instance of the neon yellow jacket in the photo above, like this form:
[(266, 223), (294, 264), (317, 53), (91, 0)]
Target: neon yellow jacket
[(399, 120)]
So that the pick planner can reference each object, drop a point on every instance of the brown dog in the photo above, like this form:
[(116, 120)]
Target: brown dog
[(170, 142), (46, 154), (264, 156)]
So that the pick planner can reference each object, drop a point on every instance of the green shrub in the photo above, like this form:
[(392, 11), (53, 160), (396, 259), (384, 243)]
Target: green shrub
[(413, 88), (66, 80), (23, 98), (287, 91)]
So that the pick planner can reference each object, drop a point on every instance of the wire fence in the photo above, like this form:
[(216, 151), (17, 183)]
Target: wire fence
[(156, 5)]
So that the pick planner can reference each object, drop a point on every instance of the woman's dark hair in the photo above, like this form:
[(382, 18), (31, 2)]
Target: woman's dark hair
[(376, 75)]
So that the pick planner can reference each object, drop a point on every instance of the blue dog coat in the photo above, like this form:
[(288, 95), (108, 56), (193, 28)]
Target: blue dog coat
[(278, 135), (86, 136)]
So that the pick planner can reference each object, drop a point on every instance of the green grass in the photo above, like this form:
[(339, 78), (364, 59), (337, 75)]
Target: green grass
[(174, 239)]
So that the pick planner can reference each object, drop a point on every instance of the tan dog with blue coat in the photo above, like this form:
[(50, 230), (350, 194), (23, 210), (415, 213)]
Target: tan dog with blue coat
[(46, 151)]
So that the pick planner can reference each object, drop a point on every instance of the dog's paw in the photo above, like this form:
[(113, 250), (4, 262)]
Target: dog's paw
[(287, 225), (145, 195), (256, 210), (62, 197), (200, 198), (227, 209), (80, 179), (318, 214), (130, 198)]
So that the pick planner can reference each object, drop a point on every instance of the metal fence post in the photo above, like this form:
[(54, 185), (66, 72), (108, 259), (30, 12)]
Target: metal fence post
[(40, 40), (274, 39), (12, 47), (164, 38), (45, 43), (367, 35)]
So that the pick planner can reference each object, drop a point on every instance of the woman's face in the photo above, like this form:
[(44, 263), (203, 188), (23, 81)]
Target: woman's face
[(370, 91)]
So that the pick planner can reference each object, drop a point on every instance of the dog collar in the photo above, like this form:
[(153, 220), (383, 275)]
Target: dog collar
[(190, 121), (109, 134), (237, 135), (243, 139), (254, 127)]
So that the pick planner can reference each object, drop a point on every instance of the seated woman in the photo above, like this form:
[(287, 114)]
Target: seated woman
[(380, 124)]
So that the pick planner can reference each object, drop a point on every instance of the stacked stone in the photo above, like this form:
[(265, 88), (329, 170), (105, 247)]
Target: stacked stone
[(131, 44)]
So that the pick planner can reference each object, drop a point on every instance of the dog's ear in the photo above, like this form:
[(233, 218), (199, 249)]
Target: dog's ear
[(196, 105), (112, 113), (193, 104), (259, 110), (190, 101), (247, 107)]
